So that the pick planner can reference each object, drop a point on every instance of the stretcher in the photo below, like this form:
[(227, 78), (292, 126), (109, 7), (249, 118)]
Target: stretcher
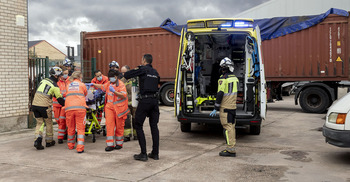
[(95, 102)]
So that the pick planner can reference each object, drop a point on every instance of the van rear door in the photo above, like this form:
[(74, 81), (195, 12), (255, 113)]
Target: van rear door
[(263, 96), (178, 78)]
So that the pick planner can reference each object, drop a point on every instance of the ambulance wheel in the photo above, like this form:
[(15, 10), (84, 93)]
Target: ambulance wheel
[(185, 127), (167, 95)]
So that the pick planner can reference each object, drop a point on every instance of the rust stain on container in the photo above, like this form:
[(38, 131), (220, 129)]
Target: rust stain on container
[(128, 46), (310, 54)]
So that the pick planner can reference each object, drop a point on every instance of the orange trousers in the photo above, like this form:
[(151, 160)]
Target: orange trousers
[(62, 125), (56, 113), (114, 127), (76, 118)]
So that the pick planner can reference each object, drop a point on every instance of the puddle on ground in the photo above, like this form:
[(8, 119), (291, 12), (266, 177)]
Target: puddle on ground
[(296, 155)]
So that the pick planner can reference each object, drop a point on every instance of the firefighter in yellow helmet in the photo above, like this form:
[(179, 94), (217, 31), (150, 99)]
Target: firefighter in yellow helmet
[(42, 110), (226, 103)]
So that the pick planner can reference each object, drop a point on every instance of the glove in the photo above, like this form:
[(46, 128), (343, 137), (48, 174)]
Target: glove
[(88, 85), (111, 88), (213, 113)]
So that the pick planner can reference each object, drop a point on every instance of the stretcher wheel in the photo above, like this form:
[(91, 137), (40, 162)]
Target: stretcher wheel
[(93, 138)]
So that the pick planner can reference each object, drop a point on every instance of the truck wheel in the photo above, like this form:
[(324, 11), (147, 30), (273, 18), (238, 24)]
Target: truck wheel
[(255, 129), (185, 127), (167, 95), (314, 100)]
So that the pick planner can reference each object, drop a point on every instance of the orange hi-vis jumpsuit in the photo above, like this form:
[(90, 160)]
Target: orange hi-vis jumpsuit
[(57, 109), (103, 81), (116, 111), (75, 108)]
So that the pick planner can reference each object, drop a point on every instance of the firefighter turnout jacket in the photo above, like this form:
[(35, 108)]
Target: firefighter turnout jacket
[(47, 89), (227, 92)]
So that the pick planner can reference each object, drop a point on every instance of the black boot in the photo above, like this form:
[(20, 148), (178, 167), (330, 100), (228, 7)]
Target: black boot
[(109, 148), (118, 147), (50, 144), (153, 156), (37, 143), (226, 153), (60, 141), (141, 157), (65, 137), (126, 139)]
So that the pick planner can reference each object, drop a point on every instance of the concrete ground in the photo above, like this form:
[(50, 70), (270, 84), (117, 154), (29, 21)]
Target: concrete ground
[(290, 148)]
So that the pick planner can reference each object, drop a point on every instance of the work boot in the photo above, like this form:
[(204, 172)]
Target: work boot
[(37, 144), (50, 144), (141, 157), (126, 139), (60, 141), (109, 148), (80, 152), (65, 137), (226, 153), (153, 156), (118, 147)]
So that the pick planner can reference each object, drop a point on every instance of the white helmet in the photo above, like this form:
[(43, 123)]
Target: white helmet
[(55, 71), (114, 64), (227, 63), (67, 62)]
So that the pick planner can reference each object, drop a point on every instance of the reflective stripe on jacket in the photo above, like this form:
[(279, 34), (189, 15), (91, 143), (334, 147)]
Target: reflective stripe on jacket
[(46, 90), (120, 104), (75, 98), (63, 89)]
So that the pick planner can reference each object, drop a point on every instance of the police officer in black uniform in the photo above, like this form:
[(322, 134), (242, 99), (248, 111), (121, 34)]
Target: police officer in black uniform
[(147, 107)]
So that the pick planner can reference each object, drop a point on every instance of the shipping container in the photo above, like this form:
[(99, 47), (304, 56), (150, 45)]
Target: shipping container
[(319, 53), (315, 60), (127, 48)]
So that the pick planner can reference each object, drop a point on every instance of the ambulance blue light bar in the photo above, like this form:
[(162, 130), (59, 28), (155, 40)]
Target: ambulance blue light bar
[(243, 24)]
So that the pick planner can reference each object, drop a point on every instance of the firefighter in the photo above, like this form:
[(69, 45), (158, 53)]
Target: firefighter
[(75, 110), (116, 110), (147, 107), (69, 66), (57, 108), (42, 104), (128, 132), (226, 103)]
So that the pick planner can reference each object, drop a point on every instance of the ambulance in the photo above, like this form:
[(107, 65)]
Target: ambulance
[(203, 44)]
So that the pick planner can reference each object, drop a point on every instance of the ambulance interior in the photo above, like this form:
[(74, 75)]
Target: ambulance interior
[(210, 49)]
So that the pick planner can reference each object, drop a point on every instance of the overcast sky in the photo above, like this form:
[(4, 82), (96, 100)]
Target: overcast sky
[(60, 21)]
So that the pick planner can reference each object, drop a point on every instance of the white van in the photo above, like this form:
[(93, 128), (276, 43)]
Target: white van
[(337, 126)]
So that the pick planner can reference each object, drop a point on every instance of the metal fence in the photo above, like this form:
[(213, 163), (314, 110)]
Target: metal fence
[(88, 68)]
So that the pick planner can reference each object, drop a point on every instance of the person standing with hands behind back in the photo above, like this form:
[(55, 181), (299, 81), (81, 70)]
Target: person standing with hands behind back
[(148, 106)]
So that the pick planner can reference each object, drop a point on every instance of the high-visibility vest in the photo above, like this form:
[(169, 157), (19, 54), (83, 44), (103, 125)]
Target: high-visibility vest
[(228, 84), (119, 104), (46, 90), (75, 98), (63, 89)]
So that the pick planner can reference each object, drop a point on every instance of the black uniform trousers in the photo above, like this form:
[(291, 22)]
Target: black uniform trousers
[(147, 107)]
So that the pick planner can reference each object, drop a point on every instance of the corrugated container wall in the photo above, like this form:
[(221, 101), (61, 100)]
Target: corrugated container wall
[(128, 46), (319, 53)]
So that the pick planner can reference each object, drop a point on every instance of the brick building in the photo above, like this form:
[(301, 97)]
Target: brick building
[(13, 65), (41, 49)]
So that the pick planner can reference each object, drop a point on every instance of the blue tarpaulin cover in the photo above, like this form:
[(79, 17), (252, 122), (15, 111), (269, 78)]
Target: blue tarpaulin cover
[(271, 28)]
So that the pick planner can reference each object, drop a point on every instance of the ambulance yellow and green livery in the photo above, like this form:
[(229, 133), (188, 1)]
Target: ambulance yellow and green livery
[(203, 43)]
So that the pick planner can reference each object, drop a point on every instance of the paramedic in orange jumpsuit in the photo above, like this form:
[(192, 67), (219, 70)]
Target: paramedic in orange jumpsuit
[(76, 111), (99, 79), (57, 108), (116, 110)]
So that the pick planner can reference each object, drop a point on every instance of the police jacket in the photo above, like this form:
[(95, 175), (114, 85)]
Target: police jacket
[(47, 89), (148, 79), (227, 92)]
